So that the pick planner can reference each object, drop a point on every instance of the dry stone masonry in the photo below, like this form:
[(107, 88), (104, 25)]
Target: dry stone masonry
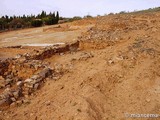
[(23, 75)]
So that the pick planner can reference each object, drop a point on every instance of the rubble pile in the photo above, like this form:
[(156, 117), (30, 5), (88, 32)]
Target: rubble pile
[(51, 50), (103, 34), (113, 30)]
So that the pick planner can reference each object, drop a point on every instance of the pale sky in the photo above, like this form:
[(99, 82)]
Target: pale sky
[(70, 8)]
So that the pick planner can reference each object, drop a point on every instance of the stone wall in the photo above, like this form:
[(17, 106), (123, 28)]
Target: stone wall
[(20, 77)]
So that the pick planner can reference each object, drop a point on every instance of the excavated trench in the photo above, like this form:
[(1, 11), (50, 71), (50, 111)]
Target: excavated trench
[(20, 77)]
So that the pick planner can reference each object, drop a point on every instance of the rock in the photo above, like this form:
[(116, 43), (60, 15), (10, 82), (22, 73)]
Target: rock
[(2, 83), (26, 96), (86, 55), (48, 103), (12, 105), (35, 77), (16, 94), (8, 81), (26, 101), (37, 66), (45, 73), (19, 102), (7, 91), (1, 78), (55, 77), (9, 76), (19, 83), (110, 61), (39, 80), (29, 85), (36, 86), (148, 100), (61, 54), (13, 99), (28, 80), (2, 102)]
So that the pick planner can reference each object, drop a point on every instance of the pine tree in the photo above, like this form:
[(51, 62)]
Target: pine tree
[(54, 16), (43, 14), (57, 17)]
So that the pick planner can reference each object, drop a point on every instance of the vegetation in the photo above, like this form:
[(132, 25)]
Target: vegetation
[(74, 18), (37, 23), (156, 9), (16, 22)]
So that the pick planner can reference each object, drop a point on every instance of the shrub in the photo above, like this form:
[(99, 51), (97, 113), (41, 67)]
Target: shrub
[(50, 21), (37, 23)]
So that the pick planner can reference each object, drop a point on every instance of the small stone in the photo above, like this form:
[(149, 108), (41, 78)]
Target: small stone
[(28, 80), (12, 105), (48, 103), (13, 99), (2, 84), (31, 114), (45, 72), (148, 100), (19, 83), (35, 77), (8, 81), (18, 56), (8, 86), (7, 90), (19, 102), (16, 94), (55, 78), (110, 61), (2, 102), (39, 80), (26, 101), (26, 96), (36, 86), (1, 78), (9, 76), (61, 54)]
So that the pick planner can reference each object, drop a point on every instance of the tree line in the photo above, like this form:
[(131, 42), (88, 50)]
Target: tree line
[(16, 22)]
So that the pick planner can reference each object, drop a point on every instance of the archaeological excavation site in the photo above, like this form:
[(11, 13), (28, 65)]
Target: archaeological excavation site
[(98, 68)]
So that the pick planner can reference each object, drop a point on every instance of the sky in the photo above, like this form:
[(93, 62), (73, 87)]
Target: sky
[(70, 8)]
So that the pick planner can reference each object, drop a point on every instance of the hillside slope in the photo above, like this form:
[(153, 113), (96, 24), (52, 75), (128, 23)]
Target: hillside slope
[(115, 71)]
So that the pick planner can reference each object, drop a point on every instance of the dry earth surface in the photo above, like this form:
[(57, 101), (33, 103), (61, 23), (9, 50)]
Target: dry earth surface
[(115, 69)]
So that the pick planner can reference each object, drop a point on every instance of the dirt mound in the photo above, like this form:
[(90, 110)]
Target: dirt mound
[(86, 21), (110, 71)]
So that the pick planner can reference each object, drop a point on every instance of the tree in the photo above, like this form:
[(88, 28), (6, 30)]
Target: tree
[(43, 14), (24, 17), (57, 17), (25, 21), (10, 19), (53, 15)]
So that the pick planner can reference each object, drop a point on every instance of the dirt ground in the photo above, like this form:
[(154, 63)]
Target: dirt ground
[(116, 70), (29, 38)]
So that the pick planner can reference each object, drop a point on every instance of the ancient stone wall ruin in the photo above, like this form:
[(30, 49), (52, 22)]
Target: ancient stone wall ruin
[(20, 77)]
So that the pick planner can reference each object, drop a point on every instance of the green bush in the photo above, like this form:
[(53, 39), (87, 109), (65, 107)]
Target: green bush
[(37, 23), (50, 21)]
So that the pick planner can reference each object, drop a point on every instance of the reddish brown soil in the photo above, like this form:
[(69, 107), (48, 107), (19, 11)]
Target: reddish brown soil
[(115, 71)]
